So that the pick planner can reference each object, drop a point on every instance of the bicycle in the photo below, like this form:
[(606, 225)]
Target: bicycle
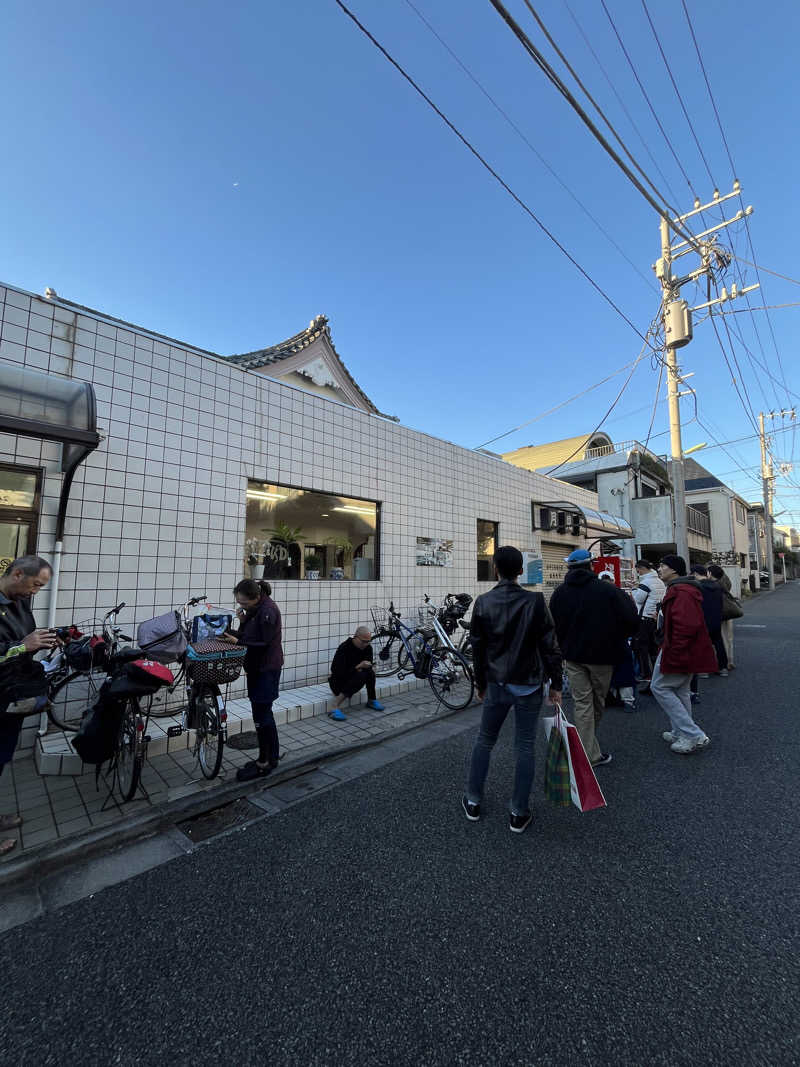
[(77, 669), (204, 712), (445, 669)]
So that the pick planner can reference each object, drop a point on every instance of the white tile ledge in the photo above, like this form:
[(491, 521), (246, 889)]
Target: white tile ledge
[(53, 754)]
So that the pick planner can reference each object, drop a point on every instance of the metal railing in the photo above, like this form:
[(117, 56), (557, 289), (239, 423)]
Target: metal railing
[(620, 446), (698, 522)]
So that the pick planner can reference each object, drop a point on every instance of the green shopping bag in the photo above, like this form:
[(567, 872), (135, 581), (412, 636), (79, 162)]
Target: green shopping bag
[(556, 771)]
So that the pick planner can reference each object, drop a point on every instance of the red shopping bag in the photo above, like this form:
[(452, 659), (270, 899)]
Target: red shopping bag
[(584, 789)]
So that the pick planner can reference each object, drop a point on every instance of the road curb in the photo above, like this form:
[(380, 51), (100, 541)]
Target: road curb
[(49, 858)]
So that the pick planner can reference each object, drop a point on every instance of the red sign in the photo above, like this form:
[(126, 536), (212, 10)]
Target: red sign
[(609, 564), (780, 555)]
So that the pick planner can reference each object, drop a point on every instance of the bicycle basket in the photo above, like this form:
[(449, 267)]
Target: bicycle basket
[(214, 662), (162, 638), (85, 653), (381, 620)]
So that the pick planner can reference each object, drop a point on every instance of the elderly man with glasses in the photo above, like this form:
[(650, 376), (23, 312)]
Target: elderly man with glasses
[(351, 670)]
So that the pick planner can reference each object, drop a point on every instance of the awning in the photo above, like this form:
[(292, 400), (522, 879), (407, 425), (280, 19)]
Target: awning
[(593, 521), (50, 408)]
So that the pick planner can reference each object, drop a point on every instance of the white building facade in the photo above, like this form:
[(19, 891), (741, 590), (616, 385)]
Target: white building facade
[(196, 449)]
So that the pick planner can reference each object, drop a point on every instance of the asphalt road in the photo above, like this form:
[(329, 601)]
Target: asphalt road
[(373, 925)]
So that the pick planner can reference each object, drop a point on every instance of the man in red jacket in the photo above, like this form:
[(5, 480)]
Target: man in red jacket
[(686, 649)]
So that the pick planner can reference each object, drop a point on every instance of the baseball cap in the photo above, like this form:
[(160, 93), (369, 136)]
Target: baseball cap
[(578, 558)]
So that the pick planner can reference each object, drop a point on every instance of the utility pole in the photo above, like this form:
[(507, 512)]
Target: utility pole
[(768, 487), (669, 296), (677, 318)]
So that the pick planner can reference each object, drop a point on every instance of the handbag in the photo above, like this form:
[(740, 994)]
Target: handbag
[(24, 686), (731, 607), (556, 771), (585, 791)]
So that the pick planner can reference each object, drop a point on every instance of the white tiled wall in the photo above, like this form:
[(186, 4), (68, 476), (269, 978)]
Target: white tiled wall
[(157, 512)]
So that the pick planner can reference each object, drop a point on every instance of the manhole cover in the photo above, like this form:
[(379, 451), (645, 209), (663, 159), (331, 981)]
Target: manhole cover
[(246, 739), (211, 823)]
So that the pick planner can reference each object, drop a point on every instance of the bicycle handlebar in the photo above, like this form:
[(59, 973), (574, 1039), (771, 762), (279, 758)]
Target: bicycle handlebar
[(195, 600), (115, 611)]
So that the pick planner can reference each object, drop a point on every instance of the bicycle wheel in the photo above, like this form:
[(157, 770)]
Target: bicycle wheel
[(128, 760), (72, 695), (384, 660), (209, 744), (451, 679)]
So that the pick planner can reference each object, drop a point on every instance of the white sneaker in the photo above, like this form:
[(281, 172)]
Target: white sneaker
[(685, 745), (669, 736)]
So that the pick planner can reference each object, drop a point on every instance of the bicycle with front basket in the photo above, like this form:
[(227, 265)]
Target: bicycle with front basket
[(203, 670), (405, 649)]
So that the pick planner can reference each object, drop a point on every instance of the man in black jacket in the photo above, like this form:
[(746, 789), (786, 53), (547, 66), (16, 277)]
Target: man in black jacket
[(513, 651), (351, 670), (593, 621), (19, 638)]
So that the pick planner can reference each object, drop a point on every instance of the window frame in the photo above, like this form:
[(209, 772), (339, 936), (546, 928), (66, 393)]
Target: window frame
[(496, 525), (30, 515), (320, 492)]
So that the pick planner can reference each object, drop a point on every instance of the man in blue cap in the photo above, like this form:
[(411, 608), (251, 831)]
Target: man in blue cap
[(593, 621)]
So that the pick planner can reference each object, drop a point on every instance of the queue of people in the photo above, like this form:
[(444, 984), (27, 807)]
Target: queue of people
[(519, 644), (672, 619)]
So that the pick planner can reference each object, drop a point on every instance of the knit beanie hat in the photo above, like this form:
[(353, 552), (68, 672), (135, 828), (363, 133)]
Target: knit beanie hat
[(675, 563)]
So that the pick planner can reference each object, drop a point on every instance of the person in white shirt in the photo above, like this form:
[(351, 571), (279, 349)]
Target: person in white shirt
[(647, 596)]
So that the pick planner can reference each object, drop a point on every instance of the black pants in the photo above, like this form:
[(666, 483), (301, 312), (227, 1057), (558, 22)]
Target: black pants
[(646, 647), (350, 685), (719, 648)]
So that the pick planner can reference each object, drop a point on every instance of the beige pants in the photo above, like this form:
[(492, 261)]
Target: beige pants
[(589, 683), (727, 639)]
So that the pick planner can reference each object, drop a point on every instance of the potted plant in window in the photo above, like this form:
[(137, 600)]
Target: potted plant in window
[(255, 555), (282, 553), (313, 566), (343, 556)]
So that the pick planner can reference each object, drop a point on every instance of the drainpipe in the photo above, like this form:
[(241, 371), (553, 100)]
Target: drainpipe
[(58, 547)]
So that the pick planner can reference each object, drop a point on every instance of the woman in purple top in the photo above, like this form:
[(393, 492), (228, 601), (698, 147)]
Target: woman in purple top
[(260, 633)]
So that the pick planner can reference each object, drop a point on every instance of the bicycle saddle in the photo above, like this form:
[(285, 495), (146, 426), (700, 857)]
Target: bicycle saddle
[(127, 655)]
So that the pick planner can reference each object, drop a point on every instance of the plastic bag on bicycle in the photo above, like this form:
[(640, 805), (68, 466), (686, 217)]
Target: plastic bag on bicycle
[(96, 739)]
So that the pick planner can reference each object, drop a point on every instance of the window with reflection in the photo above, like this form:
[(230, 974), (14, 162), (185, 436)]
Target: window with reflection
[(487, 546), (303, 534)]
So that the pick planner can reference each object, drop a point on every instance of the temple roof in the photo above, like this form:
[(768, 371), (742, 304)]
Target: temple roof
[(316, 330)]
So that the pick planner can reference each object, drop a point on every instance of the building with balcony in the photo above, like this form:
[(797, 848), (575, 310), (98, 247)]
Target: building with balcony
[(632, 483)]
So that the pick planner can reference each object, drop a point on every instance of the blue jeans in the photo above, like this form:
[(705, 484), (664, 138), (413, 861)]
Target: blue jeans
[(496, 706), (262, 689)]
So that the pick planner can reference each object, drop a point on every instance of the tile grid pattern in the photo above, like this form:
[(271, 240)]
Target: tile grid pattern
[(157, 513)]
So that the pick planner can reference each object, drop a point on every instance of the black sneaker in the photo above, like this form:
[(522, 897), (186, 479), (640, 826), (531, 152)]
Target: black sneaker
[(518, 824), (605, 757), (472, 811)]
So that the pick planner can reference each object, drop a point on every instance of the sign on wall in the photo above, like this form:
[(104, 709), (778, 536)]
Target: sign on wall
[(434, 552), (532, 569)]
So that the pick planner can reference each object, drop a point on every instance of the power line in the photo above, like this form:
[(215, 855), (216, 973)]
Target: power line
[(467, 144), (649, 103), (647, 280), (554, 78), (614, 403), (763, 307), (733, 169), (678, 94), (620, 101), (766, 270), (563, 404)]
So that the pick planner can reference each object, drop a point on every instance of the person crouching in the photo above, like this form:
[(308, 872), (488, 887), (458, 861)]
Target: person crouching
[(351, 670)]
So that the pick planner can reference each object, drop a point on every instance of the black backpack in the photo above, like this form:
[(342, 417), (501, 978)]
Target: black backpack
[(98, 733)]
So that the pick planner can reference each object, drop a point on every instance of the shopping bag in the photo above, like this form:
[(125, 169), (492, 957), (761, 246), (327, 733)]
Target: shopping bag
[(556, 771), (585, 792)]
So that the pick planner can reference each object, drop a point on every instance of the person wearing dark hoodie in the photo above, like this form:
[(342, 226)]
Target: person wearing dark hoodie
[(593, 621), (712, 612), (260, 632), (716, 572), (686, 649)]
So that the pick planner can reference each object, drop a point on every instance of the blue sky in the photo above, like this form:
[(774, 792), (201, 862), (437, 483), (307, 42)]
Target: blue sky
[(223, 173)]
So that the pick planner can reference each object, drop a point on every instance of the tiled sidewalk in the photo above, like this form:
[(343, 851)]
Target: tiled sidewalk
[(54, 807)]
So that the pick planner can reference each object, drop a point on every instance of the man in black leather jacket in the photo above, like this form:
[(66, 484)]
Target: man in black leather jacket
[(514, 653)]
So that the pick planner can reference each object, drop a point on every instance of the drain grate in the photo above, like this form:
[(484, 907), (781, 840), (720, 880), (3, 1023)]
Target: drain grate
[(246, 739), (210, 823)]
